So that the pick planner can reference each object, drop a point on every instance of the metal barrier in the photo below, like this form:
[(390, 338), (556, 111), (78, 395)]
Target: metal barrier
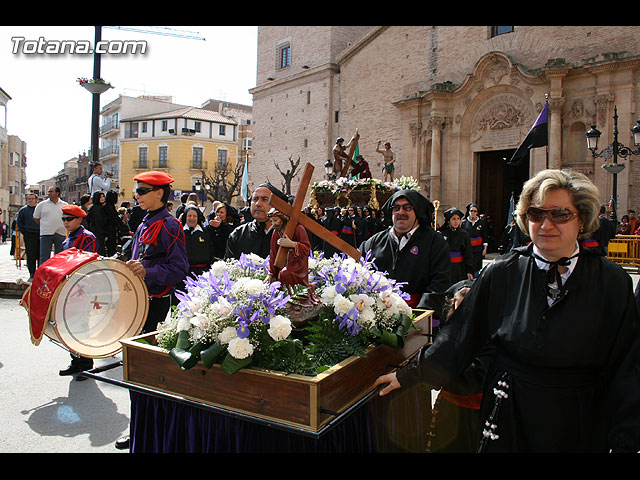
[(625, 250)]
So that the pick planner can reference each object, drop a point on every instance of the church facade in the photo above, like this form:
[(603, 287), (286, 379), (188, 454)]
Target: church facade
[(454, 102)]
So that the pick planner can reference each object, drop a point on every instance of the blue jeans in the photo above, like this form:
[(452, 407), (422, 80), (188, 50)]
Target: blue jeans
[(46, 241)]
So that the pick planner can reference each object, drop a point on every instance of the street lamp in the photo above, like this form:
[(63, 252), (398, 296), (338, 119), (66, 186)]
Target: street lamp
[(613, 151), (328, 170)]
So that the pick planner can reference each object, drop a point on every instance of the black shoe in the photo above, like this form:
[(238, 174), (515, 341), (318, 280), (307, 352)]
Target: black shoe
[(72, 369), (122, 443)]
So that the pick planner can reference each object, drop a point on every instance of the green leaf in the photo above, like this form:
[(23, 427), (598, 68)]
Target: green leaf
[(231, 365), (211, 353)]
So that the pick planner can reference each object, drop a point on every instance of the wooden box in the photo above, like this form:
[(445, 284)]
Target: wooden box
[(292, 400)]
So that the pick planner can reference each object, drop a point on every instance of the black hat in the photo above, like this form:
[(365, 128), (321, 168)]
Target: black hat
[(274, 190), (422, 205)]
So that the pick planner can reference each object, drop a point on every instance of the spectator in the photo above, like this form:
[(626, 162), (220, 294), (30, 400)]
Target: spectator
[(30, 231), (97, 221), (112, 223), (48, 215), (96, 182)]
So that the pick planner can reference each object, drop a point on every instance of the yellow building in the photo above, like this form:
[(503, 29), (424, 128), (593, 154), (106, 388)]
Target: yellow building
[(188, 143)]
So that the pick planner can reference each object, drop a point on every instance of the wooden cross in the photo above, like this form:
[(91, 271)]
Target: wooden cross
[(296, 216), (352, 148)]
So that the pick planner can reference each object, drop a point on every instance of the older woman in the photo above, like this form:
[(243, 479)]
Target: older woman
[(219, 227), (564, 325)]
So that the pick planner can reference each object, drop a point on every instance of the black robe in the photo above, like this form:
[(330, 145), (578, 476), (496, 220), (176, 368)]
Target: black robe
[(460, 252), (249, 238), (479, 235), (571, 371)]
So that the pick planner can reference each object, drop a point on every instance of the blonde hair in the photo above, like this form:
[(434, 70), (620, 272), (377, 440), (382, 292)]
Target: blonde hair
[(584, 196)]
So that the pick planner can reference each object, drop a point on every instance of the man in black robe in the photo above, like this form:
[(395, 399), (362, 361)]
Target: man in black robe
[(411, 251), (254, 236)]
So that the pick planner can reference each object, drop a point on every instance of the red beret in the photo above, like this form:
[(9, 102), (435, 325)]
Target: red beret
[(154, 178), (74, 211)]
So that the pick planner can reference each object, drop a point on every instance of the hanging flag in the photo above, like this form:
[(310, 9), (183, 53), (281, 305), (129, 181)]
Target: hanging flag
[(537, 137), (244, 188)]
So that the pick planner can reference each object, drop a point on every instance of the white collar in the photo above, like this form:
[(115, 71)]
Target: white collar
[(197, 227), (545, 266), (402, 241)]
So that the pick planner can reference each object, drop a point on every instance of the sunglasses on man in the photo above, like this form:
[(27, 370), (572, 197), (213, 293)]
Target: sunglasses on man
[(406, 207), (68, 219), (556, 215)]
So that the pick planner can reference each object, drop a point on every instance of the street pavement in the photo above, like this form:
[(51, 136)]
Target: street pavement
[(40, 411)]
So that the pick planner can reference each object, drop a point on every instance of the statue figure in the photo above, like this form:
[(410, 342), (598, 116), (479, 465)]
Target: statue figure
[(389, 158), (296, 269), (340, 156), (361, 168)]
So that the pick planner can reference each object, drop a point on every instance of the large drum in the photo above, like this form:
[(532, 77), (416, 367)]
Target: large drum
[(86, 303)]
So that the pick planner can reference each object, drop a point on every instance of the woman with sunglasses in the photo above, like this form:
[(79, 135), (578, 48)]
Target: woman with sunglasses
[(564, 323)]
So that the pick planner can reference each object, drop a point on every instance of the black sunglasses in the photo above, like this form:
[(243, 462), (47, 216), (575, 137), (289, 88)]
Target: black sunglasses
[(144, 190), (556, 215), (68, 219)]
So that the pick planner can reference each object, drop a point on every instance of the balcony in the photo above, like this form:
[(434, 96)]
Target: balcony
[(110, 126), (109, 152)]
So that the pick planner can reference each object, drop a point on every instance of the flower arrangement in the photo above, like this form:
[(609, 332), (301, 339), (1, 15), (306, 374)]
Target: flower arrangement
[(345, 184), (231, 314), (83, 80)]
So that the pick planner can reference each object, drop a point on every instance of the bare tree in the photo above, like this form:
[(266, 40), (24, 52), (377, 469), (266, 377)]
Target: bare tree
[(289, 174), (225, 182)]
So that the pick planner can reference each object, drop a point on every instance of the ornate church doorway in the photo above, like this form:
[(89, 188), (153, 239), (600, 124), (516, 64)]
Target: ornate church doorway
[(496, 182)]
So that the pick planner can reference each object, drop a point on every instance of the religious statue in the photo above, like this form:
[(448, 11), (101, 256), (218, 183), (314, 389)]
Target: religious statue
[(340, 155), (296, 268), (389, 158), (361, 168)]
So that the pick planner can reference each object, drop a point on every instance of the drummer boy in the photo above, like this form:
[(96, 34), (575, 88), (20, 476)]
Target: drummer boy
[(158, 250), (82, 239)]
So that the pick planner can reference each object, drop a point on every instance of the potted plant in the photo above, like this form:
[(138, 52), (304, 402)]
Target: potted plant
[(94, 85)]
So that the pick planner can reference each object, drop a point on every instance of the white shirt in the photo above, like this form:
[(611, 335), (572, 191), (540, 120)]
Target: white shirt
[(98, 184), (50, 215), (563, 276), (402, 241)]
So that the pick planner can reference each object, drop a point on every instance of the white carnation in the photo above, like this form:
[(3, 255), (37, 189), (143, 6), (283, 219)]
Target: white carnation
[(255, 259), (240, 348), (254, 286), (279, 327), (328, 294), (218, 267), (228, 334), (342, 305)]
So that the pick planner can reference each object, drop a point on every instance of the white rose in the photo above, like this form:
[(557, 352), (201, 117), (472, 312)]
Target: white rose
[(240, 348), (342, 305), (227, 334), (279, 327), (199, 321)]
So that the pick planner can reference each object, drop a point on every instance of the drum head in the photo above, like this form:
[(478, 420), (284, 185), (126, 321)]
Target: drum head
[(99, 304)]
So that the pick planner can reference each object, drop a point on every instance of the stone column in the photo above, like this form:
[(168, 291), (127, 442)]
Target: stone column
[(555, 132), (436, 157)]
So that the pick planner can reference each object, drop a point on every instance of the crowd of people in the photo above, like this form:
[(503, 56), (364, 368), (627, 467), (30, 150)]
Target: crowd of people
[(540, 354)]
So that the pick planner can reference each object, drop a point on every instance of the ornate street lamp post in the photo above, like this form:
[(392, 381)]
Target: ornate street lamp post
[(613, 151)]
